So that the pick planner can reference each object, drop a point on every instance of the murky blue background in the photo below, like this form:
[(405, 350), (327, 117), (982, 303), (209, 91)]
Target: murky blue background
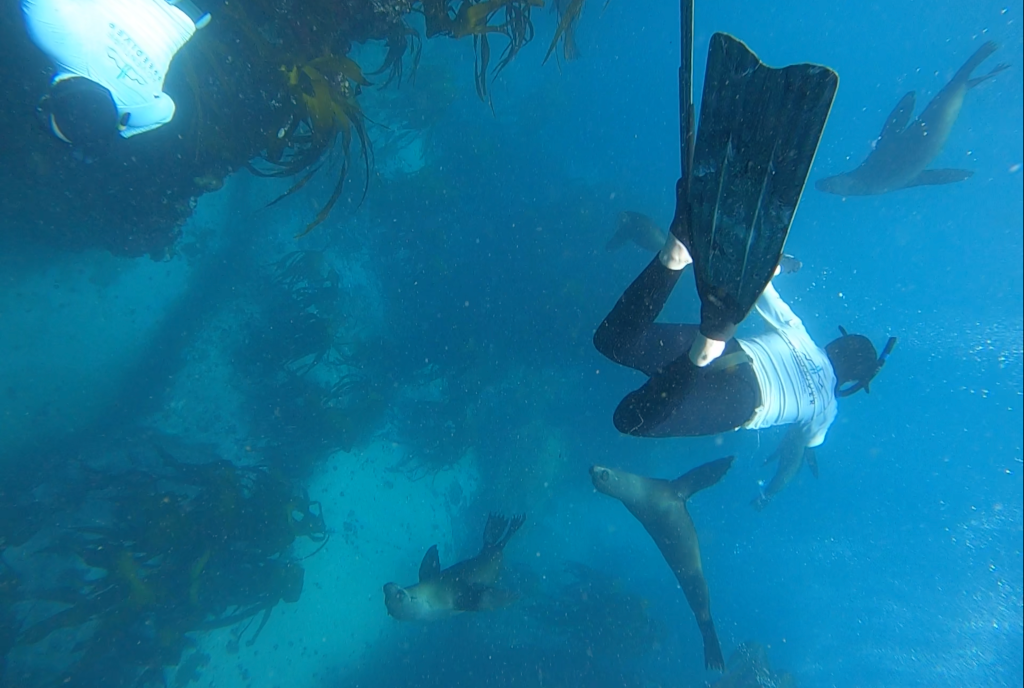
[(900, 566)]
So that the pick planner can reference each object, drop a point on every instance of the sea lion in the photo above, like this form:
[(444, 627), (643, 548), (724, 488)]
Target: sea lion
[(791, 455), (639, 229), (789, 265), (467, 586), (901, 153), (660, 506)]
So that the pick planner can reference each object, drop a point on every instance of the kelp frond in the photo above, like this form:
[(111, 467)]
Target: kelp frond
[(324, 94), (519, 28), (399, 43), (566, 31), (474, 18)]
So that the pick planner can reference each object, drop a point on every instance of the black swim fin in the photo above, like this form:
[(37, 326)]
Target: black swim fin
[(758, 133)]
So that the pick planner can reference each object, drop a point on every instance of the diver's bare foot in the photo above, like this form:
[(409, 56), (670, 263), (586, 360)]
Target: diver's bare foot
[(674, 255), (704, 350)]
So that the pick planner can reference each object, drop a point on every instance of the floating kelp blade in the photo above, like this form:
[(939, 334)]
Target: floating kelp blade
[(572, 13), (296, 186), (326, 210)]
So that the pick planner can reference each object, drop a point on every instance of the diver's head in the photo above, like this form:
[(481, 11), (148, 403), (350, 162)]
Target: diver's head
[(79, 111), (855, 361)]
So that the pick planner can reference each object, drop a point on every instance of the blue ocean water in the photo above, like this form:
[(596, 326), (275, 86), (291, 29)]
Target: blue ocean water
[(471, 281)]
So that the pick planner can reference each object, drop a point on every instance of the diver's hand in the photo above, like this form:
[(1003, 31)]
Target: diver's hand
[(703, 350)]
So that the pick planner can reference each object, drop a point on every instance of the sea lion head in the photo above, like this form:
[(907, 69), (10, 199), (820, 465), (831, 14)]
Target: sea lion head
[(624, 486), (602, 478), (840, 185), (399, 602), (405, 604)]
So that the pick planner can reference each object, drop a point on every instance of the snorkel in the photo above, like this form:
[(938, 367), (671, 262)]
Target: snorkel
[(865, 382)]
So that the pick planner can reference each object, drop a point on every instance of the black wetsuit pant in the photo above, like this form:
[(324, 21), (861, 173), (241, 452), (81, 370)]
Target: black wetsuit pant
[(679, 399)]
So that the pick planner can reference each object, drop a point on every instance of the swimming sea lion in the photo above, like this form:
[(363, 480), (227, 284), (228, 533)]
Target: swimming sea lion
[(660, 506), (791, 455), (789, 265), (638, 228), (467, 586), (902, 153)]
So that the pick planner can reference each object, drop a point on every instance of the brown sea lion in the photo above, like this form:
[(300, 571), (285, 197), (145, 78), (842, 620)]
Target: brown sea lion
[(638, 229), (660, 506), (467, 586), (791, 454), (902, 153)]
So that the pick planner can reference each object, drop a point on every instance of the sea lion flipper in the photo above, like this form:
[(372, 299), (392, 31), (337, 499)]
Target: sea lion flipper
[(899, 118), (975, 60), (617, 241), (430, 567), (513, 525), (812, 461), (713, 658), (624, 231), (995, 70), (499, 530), (701, 477), (939, 177), (494, 530)]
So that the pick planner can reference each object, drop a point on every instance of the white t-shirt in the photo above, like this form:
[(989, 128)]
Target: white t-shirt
[(124, 45), (796, 378)]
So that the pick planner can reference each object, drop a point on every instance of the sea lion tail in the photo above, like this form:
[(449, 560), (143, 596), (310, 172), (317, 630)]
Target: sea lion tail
[(713, 658), (622, 232), (975, 60), (499, 530), (616, 242), (701, 477), (514, 525), (1002, 66)]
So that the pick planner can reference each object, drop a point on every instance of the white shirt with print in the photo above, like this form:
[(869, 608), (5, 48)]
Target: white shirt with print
[(796, 378), (124, 45)]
